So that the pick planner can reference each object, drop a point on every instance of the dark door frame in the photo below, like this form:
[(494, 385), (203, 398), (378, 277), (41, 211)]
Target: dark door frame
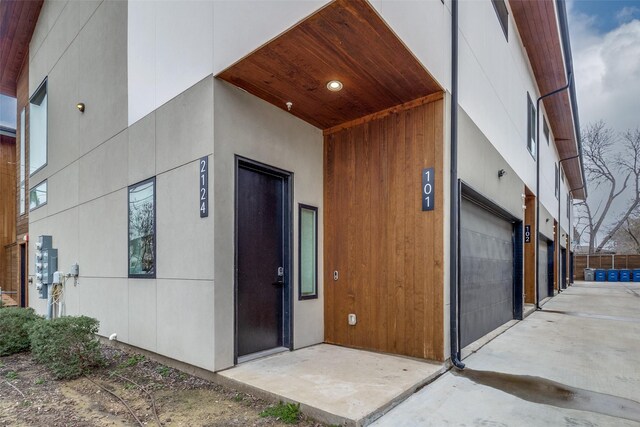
[(287, 193), (469, 193), (24, 302)]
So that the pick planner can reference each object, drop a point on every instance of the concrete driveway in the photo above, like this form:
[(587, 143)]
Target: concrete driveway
[(575, 363)]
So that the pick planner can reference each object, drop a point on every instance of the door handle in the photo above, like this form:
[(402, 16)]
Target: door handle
[(280, 280)]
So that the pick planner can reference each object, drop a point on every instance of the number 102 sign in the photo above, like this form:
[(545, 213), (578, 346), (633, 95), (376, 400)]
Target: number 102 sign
[(428, 189)]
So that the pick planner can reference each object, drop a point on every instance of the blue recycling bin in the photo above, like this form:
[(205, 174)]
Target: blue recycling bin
[(625, 275), (601, 275), (636, 275), (612, 275)]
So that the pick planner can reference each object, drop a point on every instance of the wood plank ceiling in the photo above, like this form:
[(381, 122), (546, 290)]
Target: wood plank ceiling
[(537, 24), (17, 20), (345, 41)]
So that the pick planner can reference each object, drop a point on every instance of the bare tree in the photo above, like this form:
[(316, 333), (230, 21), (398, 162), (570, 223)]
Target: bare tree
[(627, 238), (615, 172)]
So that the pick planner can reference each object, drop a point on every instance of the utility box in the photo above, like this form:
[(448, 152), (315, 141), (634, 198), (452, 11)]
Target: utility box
[(46, 264), (589, 274)]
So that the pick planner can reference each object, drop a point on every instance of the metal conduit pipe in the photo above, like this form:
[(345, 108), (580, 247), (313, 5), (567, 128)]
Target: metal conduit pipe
[(569, 217), (563, 88), (454, 284)]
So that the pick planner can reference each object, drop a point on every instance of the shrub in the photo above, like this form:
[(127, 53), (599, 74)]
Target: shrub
[(14, 329), (67, 345), (288, 413)]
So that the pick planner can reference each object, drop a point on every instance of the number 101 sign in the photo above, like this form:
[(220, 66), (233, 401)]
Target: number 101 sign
[(428, 189), (204, 187)]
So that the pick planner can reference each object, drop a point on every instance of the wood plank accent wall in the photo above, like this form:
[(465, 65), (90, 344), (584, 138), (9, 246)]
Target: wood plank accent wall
[(604, 261), (7, 208), (530, 251), (22, 227), (389, 254)]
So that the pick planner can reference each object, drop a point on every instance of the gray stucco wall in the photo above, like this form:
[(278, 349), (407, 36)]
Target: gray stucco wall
[(252, 128), (93, 157)]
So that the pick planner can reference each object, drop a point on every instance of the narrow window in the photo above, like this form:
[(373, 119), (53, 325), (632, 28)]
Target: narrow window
[(503, 16), (531, 127), (545, 129), (38, 195), (23, 166), (308, 247), (38, 129), (562, 176), (142, 229), (557, 182), (568, 206)]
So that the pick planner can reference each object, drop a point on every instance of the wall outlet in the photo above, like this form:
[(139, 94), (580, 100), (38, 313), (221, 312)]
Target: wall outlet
[(352, 319)]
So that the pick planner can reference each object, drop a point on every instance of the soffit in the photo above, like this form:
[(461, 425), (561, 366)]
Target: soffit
[(538, 29), (17, 21), (346, 41)]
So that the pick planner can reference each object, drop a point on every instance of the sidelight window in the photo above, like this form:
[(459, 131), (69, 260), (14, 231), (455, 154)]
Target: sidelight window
[(308, 252)]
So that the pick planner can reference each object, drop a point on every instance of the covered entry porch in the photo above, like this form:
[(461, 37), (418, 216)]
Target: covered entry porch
[(382, 117)]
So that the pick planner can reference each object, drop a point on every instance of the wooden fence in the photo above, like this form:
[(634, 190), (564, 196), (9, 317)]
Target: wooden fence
[(580, 262)]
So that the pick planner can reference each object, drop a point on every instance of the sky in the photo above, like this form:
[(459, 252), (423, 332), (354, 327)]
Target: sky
[(7, 112), (605, 41)]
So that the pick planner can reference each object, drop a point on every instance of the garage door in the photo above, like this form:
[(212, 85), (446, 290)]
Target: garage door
[(486, 272), (543, 269)]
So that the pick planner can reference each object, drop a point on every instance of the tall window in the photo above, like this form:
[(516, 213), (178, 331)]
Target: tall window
[(142, 229), (38, 195), (531, 127), (557, 182), (545, 129), (38, 129), (308, 259), (569, 207), (23, 166), (503, 16)]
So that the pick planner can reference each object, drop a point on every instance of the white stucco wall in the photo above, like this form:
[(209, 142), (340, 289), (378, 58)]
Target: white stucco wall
[(174, 44)]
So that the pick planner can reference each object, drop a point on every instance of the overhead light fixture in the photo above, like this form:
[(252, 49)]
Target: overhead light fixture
[(80, 106), (501, 173), (334, 85)]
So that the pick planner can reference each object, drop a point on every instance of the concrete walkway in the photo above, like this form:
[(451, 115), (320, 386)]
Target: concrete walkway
[(575, 363), (334, 384)]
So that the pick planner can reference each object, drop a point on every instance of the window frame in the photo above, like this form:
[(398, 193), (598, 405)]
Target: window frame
[(34, 188), (314, 209), (532, 122), (503, 20), (155, 216), (557, 181), (22, 191), (36, 93), (545, 129)]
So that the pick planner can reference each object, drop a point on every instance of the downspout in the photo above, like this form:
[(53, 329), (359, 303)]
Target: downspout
[(454, 284), (569, 211), (565, 87)]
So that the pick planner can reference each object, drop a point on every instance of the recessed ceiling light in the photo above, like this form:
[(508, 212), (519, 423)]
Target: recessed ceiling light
[(334, 85)]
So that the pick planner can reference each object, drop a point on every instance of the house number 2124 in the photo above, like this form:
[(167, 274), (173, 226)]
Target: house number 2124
[(203, 203), (428, 189)]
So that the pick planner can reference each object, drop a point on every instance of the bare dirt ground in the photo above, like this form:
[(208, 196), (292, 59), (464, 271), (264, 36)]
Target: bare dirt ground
[(30, 396)]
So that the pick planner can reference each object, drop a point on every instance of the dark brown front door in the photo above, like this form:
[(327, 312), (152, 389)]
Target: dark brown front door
[(261, 279)]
